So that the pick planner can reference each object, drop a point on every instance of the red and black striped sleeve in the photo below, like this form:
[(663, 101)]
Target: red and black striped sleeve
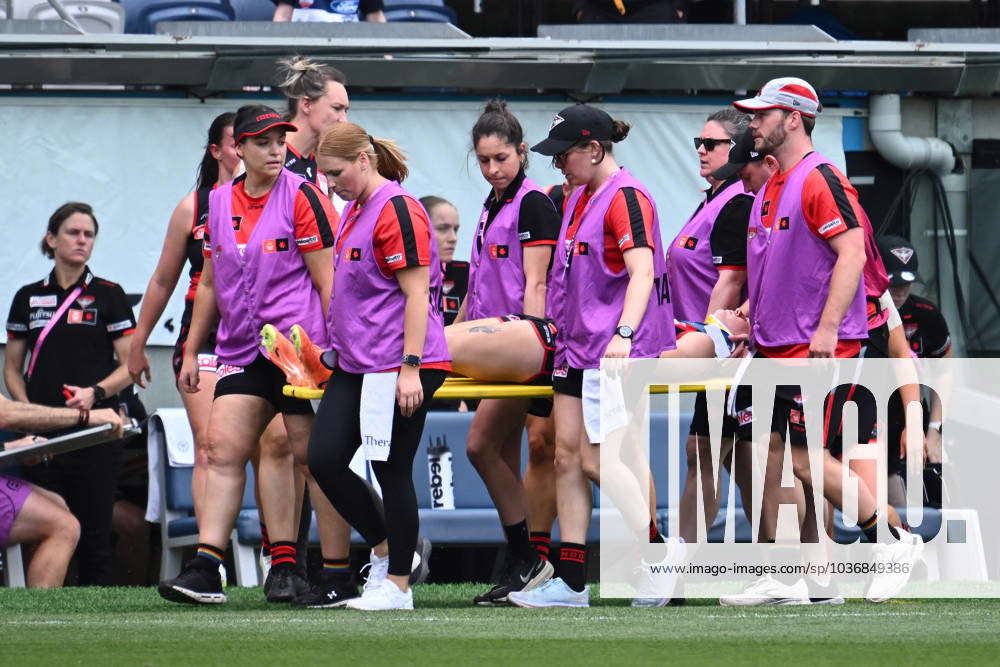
[(630, 220), (315, 219), (830, 203), (402, 236)]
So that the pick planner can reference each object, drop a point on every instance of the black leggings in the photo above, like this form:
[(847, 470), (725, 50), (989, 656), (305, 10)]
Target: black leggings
[(336, 436)]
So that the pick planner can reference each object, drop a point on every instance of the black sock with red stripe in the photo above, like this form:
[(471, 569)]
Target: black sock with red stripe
[(283, 553), (573, 565), (542, 542), (654, 534), (265, 541)]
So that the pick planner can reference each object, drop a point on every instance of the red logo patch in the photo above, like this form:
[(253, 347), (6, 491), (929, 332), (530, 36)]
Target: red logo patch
[(499, 251)]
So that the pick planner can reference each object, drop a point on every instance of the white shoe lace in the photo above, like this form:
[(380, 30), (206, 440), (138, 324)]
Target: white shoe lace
[(378, 570)]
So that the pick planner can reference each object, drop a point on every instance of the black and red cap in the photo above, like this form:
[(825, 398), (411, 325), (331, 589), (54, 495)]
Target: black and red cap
[(256, 119), (573, 125)]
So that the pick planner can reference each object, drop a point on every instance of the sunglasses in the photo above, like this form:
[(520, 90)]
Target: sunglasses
[(559, 159), (710, 144)]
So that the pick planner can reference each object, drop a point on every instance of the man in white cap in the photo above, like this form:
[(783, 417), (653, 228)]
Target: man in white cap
[(806, 229)]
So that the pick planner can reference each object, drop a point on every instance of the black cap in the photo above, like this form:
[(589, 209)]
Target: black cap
[(257, 119), (573, 125), (741, 153), (900, 260)]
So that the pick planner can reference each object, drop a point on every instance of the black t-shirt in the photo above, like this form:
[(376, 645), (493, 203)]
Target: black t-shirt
[(453, 289), (538, 221), (199, 225), (79, 350), (925, 327), (304, 166), (729, 233)]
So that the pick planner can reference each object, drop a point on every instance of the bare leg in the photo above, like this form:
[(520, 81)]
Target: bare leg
[(494, 444), (573, 497), (540, 475), (334, 531), (199, 408), (495, 351), (234, 429), (45, 521), (276, 481), (700, 447)]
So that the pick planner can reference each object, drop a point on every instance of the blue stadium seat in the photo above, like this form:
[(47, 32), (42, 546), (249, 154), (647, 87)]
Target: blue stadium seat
[(423, 11), (141, 16), (253, 10)]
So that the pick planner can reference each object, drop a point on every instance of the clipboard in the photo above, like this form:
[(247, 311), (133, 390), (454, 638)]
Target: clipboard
[(69, 442)]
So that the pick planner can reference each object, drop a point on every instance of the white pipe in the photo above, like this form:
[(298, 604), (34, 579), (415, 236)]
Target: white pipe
[(885, 126)]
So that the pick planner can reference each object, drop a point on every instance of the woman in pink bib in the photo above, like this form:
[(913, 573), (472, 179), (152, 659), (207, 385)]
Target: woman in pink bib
[(267, 261), (609, 297), (388, 336)]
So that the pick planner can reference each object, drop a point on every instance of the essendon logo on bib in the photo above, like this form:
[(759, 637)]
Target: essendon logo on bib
[(765, 208), (687, 242), (499, 251), (275, 245), (581, 248), (783, 223), (354, 255), (751, 233)]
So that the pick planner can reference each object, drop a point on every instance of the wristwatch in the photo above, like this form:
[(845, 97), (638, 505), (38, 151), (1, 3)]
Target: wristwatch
[(625, 332), (412, 360), (99, 393)]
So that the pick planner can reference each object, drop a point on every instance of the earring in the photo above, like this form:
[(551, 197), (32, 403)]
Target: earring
[(593, 160)]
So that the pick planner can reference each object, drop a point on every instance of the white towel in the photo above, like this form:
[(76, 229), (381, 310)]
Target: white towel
[(378, 402), (602, 417), (168, 430)]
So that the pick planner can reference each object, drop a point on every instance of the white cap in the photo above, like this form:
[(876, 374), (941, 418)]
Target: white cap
[(789, 92)]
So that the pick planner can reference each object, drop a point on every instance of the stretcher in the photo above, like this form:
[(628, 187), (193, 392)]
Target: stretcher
[(459, 388)]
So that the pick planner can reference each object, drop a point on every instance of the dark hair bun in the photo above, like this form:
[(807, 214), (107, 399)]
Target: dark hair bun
[(620, 131), (496, 105)]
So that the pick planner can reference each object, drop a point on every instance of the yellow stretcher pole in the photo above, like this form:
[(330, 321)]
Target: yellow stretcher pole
[(466, 388)]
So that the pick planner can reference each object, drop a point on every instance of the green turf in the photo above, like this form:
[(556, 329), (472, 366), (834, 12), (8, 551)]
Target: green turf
[(136, 627)]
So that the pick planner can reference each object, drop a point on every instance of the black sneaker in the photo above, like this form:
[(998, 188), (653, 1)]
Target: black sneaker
[(284, 583), (422, 562), (198, 583), (331, 592), (520, 575)]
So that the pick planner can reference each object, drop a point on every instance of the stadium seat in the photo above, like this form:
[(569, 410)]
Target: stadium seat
[(13, 567), (423, 11), (94, 16), (253, 10), (141, 16), (178, 526)]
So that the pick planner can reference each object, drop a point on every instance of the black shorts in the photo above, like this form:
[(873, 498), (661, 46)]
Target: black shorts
[(699, 422), (261, 378), (876, 346), (545, 329), (207, 360), (568, 380), (788, 418)]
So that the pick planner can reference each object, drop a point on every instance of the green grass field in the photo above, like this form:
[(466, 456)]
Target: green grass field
[(121, 626)]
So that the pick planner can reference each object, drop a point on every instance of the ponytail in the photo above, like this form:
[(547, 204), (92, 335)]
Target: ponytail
[(347, 141), (208, 170)]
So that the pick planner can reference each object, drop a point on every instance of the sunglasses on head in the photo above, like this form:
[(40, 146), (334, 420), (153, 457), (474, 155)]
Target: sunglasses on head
[(710, 144)]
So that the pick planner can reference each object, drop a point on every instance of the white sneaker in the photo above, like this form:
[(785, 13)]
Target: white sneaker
[(553, 593), (378, 570), (896, 562), (222, 575), (660, 579), (768, 591), (382, 597)]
